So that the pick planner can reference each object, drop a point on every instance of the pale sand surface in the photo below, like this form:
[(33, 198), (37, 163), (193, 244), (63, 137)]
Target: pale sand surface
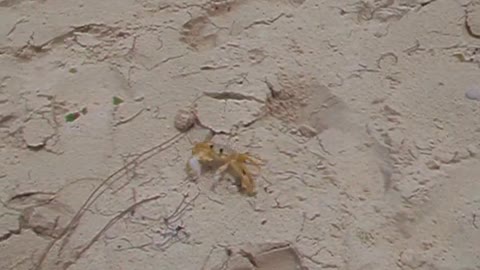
[(365, 114)]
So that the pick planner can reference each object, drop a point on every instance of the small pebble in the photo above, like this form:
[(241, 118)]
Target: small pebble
[(473, 150), (473, 93), (432, 165), (184, 120), (444, 157)]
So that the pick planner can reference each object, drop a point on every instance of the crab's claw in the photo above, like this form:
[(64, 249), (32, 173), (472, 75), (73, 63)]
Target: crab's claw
[(194, 168)]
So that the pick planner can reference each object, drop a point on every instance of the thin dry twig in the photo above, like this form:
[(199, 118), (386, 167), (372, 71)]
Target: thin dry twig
[(129, 172), (22, 197), (180, 210), (128, 119), (207, 258), (142, 247), (29, 194), (18, 263)]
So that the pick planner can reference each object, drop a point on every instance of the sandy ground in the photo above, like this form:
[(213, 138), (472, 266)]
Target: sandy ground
[(366, 115)]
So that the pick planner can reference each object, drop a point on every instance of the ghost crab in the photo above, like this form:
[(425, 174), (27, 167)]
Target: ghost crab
[(224, 160)]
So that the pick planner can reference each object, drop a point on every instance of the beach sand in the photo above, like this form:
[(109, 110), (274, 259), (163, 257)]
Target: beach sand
[(364, 114)]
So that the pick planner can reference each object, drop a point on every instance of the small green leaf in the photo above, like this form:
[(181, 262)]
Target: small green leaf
[(72, 116), (117, 100)]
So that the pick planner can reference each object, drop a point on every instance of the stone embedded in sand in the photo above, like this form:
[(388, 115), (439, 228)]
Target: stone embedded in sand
[(8, 224), (36, 132), (472, 150), (444, 157), (307, 131), (44, 220), (87, 40), (280, 258), (411, 259), (268, 256), (473, 93), (432, 164)]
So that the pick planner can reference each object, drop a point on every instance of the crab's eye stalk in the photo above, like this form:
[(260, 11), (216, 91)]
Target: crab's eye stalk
[(211, 146), (221, 150)]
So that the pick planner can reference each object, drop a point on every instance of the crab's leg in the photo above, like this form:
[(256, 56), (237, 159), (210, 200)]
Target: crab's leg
[(244, 158), (220, 172), (246, 179)]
